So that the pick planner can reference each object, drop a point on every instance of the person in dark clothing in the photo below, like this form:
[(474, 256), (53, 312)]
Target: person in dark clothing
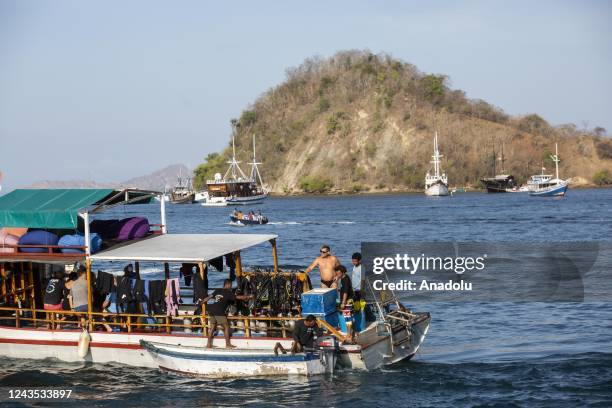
[(344, 285), (54, 293), (304, 334), (219, 300), (345, 290)]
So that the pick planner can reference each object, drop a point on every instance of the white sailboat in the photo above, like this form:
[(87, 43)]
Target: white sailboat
[(436, 184)]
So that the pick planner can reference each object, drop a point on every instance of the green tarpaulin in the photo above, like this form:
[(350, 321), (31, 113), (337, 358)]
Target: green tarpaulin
[(47, 208)]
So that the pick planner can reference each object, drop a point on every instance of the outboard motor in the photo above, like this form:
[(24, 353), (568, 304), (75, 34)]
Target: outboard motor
[(328, 347)]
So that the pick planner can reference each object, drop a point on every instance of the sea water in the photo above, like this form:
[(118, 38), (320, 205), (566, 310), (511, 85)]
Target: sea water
[(476, 353)]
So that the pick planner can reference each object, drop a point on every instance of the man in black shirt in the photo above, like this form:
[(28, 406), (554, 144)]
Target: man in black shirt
[(345, 288), (216, 305), (304, 334)]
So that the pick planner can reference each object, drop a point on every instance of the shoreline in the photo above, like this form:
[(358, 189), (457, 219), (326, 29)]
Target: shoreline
[(400, 192)]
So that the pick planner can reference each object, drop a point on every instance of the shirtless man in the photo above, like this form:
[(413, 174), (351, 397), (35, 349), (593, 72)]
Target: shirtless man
[(327, 264)]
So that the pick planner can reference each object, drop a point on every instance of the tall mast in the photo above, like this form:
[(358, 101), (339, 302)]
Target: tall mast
[(436, 156), (556, 160), (234, 169), (502, 158), (255, 175)]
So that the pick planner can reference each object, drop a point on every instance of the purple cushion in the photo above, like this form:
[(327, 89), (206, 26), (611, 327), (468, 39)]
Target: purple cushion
[(37, 237), (132, 228)]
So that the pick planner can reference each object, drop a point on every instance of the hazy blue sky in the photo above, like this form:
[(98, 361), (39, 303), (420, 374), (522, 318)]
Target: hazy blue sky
[(115, 89)]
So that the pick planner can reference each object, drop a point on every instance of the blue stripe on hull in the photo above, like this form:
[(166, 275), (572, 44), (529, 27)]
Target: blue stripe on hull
[(553, 192)]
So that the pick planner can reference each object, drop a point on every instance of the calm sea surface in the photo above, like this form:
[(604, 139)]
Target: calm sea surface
[(487, 354)]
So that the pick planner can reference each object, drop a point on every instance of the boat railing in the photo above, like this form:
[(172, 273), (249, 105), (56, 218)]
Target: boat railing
[(155, 323)]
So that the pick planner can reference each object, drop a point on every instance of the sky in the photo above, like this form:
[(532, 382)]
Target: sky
[(110, 90)]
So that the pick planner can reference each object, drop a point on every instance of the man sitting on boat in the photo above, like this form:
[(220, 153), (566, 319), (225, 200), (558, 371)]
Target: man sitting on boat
[(327, 264), (305, 333), (216, 306)]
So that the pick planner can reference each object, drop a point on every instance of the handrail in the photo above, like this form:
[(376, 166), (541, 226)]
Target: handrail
[(130, 320)]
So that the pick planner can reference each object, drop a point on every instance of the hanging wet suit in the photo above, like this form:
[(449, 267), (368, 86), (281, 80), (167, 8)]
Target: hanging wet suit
[(125, 297), (200, 288), (186, 271), (104, 283), (156, 302), (231, 264), (173, 296), (139, 293)]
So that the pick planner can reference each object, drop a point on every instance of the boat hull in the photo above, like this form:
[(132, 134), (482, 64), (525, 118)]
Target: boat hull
[(437, 190), (554, 191), (256, 199), (224, 363), (188, 199)]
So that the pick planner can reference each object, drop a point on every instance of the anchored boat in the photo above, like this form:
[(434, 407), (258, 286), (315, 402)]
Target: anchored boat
[(544, 186), (173, 337), (436, 184), (499, 183), (234, 187)]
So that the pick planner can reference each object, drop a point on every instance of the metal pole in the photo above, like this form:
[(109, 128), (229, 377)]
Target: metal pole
[(85, 217), (163, 213), (89, 299)]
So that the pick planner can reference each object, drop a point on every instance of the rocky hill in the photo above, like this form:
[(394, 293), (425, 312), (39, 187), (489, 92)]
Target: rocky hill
[(364, 122)]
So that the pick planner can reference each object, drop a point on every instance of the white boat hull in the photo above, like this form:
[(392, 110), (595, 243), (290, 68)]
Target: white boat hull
[(223, 363), (437, 190)]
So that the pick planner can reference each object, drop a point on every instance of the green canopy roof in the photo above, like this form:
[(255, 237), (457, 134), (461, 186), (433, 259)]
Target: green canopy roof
[(58, 208)]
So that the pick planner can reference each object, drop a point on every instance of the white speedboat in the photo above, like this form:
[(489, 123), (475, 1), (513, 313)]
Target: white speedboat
[(436, 184)]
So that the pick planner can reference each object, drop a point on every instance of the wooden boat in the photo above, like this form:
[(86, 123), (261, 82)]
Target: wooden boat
[(436, 184), (499, 183), (183, 193), (234, 187), (220, 362), (547, 187), (29, 331)]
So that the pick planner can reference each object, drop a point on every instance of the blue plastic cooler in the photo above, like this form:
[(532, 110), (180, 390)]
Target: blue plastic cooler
[(319, 302)]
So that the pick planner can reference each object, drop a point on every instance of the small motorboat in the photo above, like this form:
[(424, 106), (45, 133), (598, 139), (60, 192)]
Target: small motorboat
[(255, 220), (224, 363), (545, 186)]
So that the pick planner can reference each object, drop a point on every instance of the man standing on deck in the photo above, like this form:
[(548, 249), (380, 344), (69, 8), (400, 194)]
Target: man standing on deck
[(327, 264), (219, 300)]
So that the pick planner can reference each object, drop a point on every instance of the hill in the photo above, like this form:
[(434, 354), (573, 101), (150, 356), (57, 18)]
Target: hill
[(156, 181), (364, 122)]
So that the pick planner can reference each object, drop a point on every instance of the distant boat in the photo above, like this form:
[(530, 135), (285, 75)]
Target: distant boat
[(182, 193), (499, 183), (235, 188), (436, 184), (544, 186)]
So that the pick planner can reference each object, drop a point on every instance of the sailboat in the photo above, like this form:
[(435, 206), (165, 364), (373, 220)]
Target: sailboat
[(547, 187), (234, 187), (499, 183), (436, 184)]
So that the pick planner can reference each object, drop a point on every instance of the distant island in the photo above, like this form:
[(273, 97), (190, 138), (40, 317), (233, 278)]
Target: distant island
[(360, 122), (156, 181)]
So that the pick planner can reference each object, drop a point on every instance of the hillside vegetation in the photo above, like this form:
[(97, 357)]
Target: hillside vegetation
[(364, 122)]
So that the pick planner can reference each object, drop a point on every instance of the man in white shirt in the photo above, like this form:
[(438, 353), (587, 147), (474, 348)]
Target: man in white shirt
[(356, 274)]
